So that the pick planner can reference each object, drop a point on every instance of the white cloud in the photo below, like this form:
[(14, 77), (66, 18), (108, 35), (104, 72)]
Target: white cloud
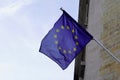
[(12, 8)]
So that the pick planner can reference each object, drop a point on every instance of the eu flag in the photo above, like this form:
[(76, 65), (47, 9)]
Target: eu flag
[(65, 41)]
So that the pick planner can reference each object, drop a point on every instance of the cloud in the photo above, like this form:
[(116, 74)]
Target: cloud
[(12, 8)]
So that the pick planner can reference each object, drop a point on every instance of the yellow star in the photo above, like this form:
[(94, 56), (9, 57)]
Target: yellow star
[(55, 36), (75, 37), (56, 42), (57, 30), (73, 31), (68, 27), (59, 48), (69, 51), (74, 49), (64, 51), (77, 43), (62, 27)]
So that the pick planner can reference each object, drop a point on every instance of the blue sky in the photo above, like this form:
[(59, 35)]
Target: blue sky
[(23, 24)]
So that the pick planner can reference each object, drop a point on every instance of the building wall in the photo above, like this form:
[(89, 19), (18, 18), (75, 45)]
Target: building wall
[(104, 25)]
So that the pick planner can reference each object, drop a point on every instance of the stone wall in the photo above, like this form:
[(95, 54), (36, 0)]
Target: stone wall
[(103, 24)]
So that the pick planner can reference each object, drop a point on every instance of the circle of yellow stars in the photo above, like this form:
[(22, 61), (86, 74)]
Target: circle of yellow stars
[(57, 42)]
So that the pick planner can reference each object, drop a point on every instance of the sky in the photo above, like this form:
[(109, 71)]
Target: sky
[(23, 24)]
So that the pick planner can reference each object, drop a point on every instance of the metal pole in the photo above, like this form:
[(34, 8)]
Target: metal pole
[(110, 53), (61, 9)]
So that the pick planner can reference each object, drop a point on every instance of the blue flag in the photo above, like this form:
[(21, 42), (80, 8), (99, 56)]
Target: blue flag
[(65, 41)]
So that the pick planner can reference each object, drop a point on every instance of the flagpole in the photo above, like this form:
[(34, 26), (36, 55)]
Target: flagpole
[(61, 9), (110, 53), (99, 43)]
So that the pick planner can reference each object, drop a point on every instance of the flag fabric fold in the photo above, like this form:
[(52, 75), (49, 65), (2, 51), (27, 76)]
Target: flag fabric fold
[(65, 41)]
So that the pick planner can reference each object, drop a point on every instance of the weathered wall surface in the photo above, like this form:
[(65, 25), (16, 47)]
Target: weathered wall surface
[(104, 24)]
